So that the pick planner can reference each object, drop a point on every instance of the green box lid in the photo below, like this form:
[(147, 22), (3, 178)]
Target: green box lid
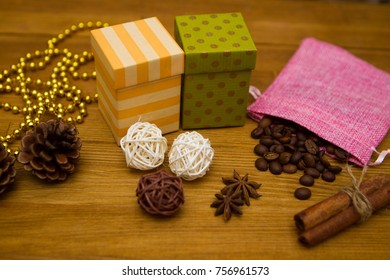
[(215, 43)]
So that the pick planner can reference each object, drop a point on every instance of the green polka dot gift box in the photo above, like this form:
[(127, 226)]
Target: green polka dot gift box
[(219, 57)]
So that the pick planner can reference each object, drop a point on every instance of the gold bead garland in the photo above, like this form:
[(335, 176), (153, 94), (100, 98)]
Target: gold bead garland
[(44, 97)]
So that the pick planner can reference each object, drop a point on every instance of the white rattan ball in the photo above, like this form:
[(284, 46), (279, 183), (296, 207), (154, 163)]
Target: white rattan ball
[(190, 156), (144, 146)]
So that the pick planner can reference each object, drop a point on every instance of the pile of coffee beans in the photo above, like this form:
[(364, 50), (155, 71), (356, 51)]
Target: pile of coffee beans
[(287, 147)]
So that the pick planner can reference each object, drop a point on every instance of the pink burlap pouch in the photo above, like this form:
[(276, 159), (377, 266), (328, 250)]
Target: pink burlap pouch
[(336, 95)]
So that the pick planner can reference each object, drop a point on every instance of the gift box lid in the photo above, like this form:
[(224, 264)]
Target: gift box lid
[(215, 43), (137, 52)]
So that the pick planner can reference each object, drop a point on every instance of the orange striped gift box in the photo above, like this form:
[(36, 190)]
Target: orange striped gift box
[(138, 67)]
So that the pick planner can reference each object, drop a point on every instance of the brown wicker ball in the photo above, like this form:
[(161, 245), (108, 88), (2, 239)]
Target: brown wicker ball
[(160, 193)]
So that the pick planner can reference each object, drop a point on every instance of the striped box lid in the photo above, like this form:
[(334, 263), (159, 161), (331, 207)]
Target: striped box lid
[(137, 52)]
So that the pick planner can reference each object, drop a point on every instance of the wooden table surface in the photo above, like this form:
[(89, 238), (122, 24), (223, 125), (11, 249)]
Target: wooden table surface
[(95, 215)]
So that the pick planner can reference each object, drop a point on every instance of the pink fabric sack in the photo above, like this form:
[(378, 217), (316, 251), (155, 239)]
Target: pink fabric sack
[(336, 95)]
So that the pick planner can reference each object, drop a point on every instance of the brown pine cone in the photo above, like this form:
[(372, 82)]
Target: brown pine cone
[(50, 150), (7, 170)]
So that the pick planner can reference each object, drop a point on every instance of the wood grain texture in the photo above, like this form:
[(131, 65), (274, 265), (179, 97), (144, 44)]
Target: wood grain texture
[(94, 214)]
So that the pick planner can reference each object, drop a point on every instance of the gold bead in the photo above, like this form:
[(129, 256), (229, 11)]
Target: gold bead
[(70, 108), (69, 120), (96, 97), (8, 88), (73, 28), (17, 133), (75, 76), (83, 112), (7, 106), (37, 120), (24, 111), (88, 99), (67, 32), (37, 54), (99, 24), (9, 138), (38, 82), (81, 25), (15, 110), (16, 153), (30, 124), (23, 126), (5, 73), (76, 100), (89, 24), (69, 96), (60, 37), (79, 119), (29, 56), (41, 65), (106, 24), (32, 66), (17, 90), (1, 88), (85, 76), (81, 105), (93, 75), (59, 116)]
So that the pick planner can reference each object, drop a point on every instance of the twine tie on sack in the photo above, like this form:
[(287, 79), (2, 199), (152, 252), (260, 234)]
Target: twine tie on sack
[(144, 146), (359, 200), (381, 156)]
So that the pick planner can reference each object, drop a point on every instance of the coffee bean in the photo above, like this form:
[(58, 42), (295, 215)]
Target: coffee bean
[(284, 157), (301, 136), (324, 161), (312, 172), (268, 131), (341, 154), (260, 149), (302, 193), (265, 122), (294, 140), (330, 148), (301, 144), (267, 141), (285, 139), (289, 168), (320, 167), (270, 156), (289, 147), (275, 167), (334, 169), (301, 164), (261, 164), (311, 146), (309, 160), (279, 148), (257, 132), (296, 157), (306, 180), (328, 176)]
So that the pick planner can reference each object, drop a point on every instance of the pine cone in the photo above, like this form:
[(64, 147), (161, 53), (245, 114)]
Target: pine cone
[(7, 171), (50, 150)]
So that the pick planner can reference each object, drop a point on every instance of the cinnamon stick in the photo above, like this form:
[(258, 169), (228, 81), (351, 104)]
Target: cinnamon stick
[(329, 207), (344, 219)]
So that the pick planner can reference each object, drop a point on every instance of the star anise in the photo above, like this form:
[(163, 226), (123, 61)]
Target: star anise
[(228, 204), (242, 185)]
